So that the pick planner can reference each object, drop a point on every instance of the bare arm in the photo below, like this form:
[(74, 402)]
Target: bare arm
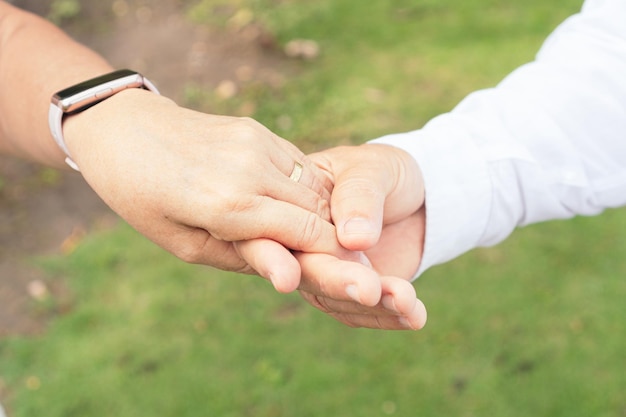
[(192, 182), (36, 60)]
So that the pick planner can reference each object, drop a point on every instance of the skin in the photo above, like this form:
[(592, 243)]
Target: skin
[(191, 182), (380, 214), (195, 183), (215, 190)]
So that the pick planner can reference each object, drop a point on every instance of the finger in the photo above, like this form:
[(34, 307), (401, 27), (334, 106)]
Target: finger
[(261, 145), (309, 176), (358, 196), (398, 309), (288, 158), (272, 261), (197, 246), (357, 210), (343, 280), (308, 192), (373, 184), (315, 179), (398, 299), (290, 225), (414, 320)]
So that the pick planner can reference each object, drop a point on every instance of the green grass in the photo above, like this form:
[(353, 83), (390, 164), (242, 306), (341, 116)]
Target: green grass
[(388, 66), (532, 327)]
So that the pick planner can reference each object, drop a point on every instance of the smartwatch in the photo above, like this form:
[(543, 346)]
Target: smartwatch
[(81, 96)]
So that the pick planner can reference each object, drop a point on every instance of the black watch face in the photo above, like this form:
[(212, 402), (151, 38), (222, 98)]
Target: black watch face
[(94, 82)]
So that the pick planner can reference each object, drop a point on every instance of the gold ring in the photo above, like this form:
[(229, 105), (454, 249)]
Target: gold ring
[(297, 172)]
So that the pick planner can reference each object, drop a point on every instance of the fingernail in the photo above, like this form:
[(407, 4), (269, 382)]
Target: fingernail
[(364, 260), (353, 292), (273, 279), (358, 226), (405, 323), (389, 302)]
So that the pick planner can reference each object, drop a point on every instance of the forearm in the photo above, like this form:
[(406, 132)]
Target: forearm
[(36, 60)]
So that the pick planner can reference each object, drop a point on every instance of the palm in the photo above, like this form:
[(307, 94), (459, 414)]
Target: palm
[(397, 253)]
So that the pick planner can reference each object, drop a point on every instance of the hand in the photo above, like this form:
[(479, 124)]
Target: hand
[(195, 183), (377, 205), (393, 304)]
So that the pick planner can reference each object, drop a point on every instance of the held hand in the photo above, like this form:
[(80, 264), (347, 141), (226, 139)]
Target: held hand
[(377, 205), (195, 183), (373, 185), (366, 286)]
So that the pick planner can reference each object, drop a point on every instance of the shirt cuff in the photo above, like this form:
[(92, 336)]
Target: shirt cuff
[(457, 188)]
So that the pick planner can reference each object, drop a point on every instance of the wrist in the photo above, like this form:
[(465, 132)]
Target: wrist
[(84, 95), (117, 118)]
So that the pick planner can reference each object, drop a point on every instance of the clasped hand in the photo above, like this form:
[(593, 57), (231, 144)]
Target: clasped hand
[(376, 205), (216, 190)]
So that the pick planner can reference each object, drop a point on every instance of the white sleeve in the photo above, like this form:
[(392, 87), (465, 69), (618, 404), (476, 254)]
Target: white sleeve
[(549, 142)]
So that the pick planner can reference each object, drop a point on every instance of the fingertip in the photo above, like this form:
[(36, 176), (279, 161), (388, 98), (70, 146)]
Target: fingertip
[(285, 278), (272, 261), (370, 292), (358, 233), (419, 316), (400, 298), (398, 295), (284, 285), (367, 294), (422, 314)]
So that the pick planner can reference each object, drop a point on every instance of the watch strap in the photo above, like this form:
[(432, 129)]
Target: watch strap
[(56, 115)]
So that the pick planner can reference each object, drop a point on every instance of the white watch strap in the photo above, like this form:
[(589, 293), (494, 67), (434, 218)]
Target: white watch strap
[(55, 121)]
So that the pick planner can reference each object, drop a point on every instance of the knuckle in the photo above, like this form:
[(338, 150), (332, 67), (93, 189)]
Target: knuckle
[(244, 268), (247, 129), (315, 301), (189, 253), (323, 304), (311, 231), (229, 202), (361, 187), (225, 214), (323, 286), (323, 209), (245, 120), (246, 132), (193, 249)]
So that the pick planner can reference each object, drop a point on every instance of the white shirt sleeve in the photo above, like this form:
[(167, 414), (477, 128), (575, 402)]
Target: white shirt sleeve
[(549, 142)]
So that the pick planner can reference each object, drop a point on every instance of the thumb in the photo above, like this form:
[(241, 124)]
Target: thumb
[(357, 204), (361, 185)]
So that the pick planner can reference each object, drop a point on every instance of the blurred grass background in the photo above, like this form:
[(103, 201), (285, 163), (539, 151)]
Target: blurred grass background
[(532, 327)]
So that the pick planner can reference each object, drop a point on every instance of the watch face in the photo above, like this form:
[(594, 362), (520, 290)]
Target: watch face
[(90, 92)]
